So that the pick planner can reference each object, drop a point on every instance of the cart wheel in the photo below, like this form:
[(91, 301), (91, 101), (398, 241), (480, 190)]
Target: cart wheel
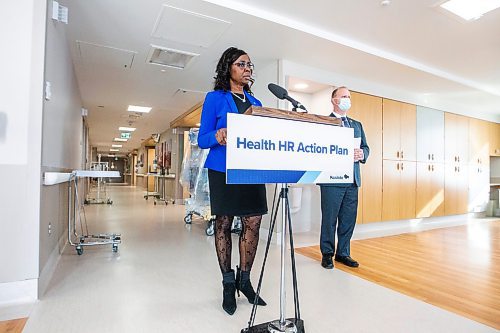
[(110, 202), (188, 218), (115, 248), (210, 229), (85, 202), (155, 203), (79, 250), (146, 197)]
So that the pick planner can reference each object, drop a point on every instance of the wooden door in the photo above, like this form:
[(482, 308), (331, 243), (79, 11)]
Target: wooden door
[(494, 130), (430, 135), (456, 139), (391, 129), (391, 190), (407, 190), (479, 168), (368, 110), (437, 201), (456, 189), (408, 132), (430, 189)]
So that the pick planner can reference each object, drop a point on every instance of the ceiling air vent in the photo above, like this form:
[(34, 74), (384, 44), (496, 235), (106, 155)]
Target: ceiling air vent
[(170, 57)]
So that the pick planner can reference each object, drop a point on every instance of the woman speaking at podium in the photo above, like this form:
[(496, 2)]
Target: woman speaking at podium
[(231, 94)]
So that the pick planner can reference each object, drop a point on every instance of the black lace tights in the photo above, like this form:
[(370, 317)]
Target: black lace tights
[(249, 239)]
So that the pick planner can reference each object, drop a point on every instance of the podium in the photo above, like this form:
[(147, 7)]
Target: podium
[(278, 144)]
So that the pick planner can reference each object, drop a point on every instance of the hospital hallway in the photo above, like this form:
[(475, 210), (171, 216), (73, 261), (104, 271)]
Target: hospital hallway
[(165, 278)]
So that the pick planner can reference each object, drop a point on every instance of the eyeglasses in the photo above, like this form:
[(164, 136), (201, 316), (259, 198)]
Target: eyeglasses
[(243, 64)]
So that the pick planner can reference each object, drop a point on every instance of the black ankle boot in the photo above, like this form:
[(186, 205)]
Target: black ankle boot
[(244, 285), (228, 292)]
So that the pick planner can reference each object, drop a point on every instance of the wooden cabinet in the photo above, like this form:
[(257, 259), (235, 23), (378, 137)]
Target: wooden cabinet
[(430, 135), (430, 189), (399, 155), (430, 165), (368, 110), (479, 165), (399, 130), (399, 190), (456, 142), (494, 130), (455, 188)]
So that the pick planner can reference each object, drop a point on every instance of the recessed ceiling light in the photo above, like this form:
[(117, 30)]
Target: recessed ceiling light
[(114, 149), (126, 129), (385, 2), (120, 140), (116, 146), (198, 124), (470, 9), (135, 108), (301, 86)]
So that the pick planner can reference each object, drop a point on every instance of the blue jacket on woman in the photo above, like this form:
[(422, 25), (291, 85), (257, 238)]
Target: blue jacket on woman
[(217, 105)]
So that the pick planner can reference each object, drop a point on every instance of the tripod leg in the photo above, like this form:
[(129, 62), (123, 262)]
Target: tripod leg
[(269, 237), (292, 254)]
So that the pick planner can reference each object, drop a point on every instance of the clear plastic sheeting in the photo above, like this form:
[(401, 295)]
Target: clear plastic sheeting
[(194, 177)]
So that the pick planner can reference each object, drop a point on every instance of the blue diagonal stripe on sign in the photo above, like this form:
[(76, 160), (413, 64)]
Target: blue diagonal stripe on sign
[(309, 177), (239, 176)]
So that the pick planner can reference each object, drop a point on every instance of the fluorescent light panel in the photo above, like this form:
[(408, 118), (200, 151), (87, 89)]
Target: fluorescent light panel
[(120, 140), (470, 9), (135, 108), (301, 86), (116, 146), (112, 149), (126, 129)]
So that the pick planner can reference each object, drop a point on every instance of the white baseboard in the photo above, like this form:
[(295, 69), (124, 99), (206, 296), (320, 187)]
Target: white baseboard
[(275, 239), (50, 266), (18, 292)]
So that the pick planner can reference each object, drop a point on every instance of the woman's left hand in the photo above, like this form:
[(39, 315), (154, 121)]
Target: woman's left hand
[(221, 136)]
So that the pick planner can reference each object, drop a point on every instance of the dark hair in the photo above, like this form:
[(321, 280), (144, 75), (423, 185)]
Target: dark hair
[(223, 70), (336, 89)]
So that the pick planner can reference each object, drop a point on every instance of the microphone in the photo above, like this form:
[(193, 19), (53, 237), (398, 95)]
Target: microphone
[(281, 93)]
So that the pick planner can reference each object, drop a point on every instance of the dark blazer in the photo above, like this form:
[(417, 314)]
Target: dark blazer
[(358, 133), (217, 105)]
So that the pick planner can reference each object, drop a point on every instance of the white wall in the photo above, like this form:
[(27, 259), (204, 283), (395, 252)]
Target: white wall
[(264, 76), (61, 144), (22, 35)]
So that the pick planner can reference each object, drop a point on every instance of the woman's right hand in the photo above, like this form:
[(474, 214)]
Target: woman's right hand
[(221, 136)]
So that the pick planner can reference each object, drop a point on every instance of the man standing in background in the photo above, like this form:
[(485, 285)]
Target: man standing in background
[(339, 202)]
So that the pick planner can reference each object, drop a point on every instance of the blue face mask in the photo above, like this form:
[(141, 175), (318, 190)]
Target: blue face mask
[(345, 104)]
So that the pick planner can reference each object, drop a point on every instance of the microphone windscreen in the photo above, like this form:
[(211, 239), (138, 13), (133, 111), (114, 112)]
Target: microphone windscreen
[(277, 91)]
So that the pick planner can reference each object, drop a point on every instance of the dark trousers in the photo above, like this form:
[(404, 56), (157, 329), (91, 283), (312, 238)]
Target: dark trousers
[(339, 208)]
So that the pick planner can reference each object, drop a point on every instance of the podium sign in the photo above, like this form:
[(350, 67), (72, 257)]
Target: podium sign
[(269, 150)]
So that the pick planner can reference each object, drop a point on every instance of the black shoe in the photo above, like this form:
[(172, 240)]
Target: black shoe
[(347, 260), (229, 297), (244, 285), (327, 262)]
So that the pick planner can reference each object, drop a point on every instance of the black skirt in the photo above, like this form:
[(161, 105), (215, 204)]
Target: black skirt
[(235, 199)]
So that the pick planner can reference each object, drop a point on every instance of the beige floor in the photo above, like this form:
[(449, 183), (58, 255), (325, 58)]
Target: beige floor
[(165, 278)]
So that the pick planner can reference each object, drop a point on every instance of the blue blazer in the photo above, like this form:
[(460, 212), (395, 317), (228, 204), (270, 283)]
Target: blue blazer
[(358, 133), (217, 105)]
